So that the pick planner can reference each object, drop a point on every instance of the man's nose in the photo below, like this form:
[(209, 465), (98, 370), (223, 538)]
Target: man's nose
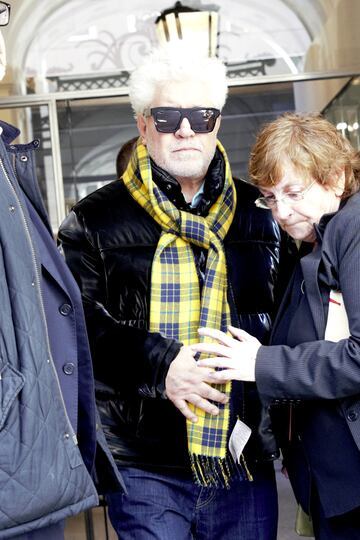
[(184, 130)]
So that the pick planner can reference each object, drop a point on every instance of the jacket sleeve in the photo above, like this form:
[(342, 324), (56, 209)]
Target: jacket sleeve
[(125, 358), (321, 369)]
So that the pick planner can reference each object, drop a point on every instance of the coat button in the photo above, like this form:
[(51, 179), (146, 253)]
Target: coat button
[(68, 368), (65, 309), (352, 416), (23, 158)]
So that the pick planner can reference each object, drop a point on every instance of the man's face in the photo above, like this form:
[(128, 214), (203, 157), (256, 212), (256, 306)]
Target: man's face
[(186, 155)]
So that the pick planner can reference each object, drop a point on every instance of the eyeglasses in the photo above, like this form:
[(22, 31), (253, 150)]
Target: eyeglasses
[(4, 13), (168, 119), (290, 198)]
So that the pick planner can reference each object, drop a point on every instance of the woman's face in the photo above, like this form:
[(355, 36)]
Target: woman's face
[(297, 218)]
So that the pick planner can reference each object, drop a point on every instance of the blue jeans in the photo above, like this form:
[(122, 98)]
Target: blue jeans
[(163, 506)]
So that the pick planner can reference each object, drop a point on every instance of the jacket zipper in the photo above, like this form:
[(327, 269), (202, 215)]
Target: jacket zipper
[(38, 288)]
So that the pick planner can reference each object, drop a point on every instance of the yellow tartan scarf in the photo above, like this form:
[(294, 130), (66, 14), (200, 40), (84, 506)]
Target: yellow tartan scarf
[(176, 308)]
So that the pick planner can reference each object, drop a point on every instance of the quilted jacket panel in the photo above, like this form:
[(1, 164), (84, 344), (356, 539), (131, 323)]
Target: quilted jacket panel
[(42, 475)]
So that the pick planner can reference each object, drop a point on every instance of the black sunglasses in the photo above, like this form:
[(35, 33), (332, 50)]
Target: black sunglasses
[(168, 119), (4, 13)]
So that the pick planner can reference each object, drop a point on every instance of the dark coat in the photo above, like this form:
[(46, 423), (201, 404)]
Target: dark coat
[(323, 375), (43, 478), (47, 411), (109, 243)]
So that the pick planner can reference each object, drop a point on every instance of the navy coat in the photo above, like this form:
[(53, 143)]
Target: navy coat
[(321, 378), (47, 413)]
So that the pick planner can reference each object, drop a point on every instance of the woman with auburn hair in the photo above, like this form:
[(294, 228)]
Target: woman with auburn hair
[(309, 176)]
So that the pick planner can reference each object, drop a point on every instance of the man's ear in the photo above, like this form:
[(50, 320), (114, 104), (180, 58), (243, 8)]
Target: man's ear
[(217, 125), (141, 124)]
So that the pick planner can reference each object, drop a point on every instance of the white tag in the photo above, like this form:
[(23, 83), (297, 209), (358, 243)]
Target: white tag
[(238, 439)]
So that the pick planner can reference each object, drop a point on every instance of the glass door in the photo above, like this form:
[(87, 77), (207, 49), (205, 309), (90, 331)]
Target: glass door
[(91, 132), (34, 122)]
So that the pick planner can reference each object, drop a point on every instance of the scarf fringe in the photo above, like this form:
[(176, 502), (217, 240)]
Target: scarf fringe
[(218, 472)]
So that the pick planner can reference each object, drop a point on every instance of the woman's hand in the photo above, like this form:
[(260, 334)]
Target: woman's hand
[(235, 355)]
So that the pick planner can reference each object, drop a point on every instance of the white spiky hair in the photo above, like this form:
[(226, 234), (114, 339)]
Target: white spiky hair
[(176, 62)]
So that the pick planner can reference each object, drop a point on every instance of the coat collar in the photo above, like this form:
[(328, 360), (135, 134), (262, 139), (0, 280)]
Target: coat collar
[(8, 132), (321, 226)]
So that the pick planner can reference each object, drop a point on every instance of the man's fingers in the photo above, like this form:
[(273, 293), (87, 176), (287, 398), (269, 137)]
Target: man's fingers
[(199, 402), (208, 392), (185, 410), (203, 404)]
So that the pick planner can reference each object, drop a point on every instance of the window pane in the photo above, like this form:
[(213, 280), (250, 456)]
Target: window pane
[(91, 134), (33, 123)]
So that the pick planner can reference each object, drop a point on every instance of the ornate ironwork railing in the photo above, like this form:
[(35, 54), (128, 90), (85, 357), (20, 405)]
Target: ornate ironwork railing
[(91, 82), (252, 68)]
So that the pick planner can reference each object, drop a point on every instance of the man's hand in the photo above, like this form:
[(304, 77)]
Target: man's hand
[(185, 383)]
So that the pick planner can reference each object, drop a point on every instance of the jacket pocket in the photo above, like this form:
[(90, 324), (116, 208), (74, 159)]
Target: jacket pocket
[(11, 382), (72, 450)]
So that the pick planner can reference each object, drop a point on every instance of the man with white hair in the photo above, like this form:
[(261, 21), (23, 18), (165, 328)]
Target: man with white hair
[(174, 244), (47, 402)]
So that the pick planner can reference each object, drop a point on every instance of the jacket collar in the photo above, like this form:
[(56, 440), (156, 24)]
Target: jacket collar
[(321, 226), (27, 182), (8, 132)]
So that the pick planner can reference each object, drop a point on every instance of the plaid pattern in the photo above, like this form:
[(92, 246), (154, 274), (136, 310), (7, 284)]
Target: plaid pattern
[(176, 309)]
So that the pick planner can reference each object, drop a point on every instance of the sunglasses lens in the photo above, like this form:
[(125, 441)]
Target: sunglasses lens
[(166, 121), (202, 120)]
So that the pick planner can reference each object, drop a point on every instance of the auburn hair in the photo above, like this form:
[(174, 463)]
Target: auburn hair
[(312, 145)]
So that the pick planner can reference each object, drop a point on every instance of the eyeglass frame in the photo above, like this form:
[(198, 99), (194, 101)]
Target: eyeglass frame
[(8, 10), (185, 112), (262, 202)]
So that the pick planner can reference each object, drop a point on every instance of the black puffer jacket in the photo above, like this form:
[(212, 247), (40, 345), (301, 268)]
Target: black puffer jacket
[(109, 243)]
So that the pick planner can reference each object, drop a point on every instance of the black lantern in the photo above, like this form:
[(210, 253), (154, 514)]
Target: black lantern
[(198, 27)]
